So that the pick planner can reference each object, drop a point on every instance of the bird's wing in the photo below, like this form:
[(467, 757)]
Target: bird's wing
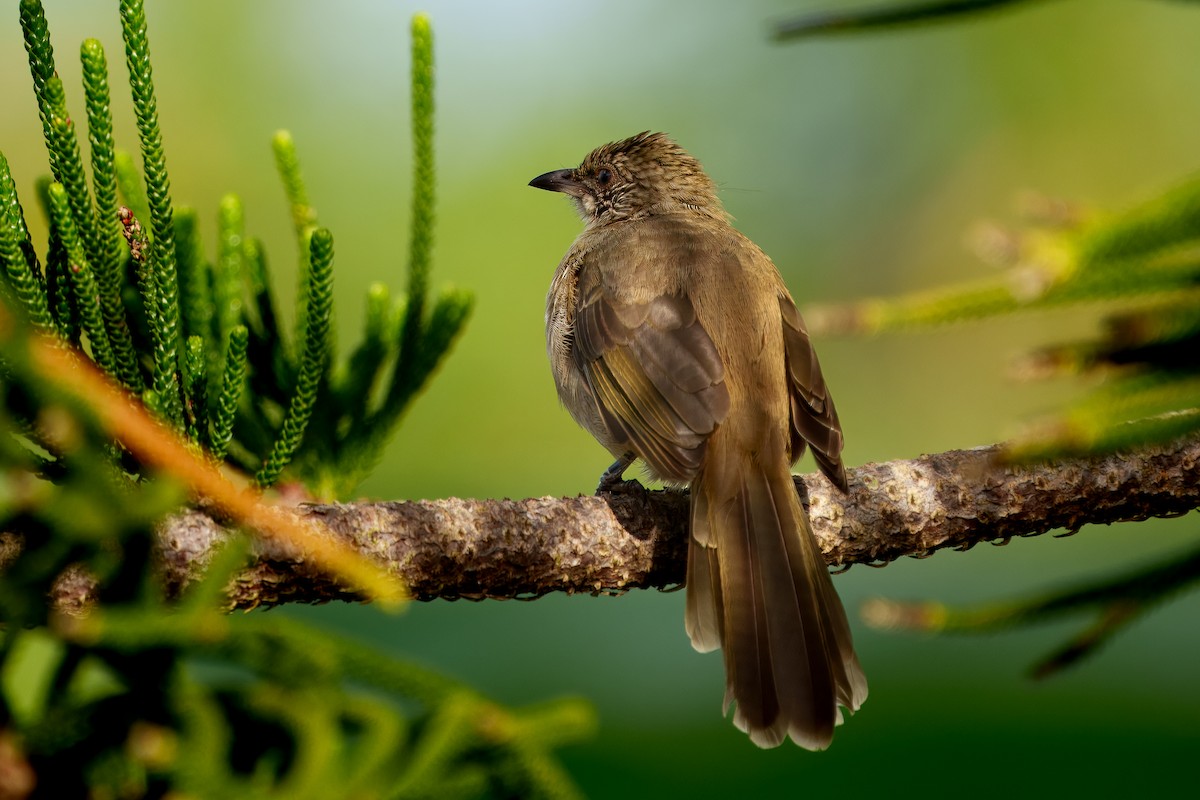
[(656, 376), (814, 419)]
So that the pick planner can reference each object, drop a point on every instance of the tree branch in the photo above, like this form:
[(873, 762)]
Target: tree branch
[(635, 538)]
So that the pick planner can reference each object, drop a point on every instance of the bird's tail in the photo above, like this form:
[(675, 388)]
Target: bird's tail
[(758, 586)]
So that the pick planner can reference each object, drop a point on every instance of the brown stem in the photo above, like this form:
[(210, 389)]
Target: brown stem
[(635, 538)]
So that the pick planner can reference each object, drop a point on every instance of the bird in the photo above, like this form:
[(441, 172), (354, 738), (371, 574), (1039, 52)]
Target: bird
[(673, 339)]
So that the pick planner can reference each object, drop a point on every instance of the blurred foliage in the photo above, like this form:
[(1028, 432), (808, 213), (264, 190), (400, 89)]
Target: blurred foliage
[(130, 696), (1116, 602), (1142, 266), (894, 15)]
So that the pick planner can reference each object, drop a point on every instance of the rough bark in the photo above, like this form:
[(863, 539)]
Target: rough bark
[(635, 538)]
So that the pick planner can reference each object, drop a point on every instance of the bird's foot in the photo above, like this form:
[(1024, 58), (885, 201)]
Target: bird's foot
[(611, 479)]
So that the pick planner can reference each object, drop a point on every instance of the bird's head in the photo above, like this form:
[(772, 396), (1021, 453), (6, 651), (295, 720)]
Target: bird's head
[(634, 177)]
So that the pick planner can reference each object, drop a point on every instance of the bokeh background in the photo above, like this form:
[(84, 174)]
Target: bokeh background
[(858, 163)]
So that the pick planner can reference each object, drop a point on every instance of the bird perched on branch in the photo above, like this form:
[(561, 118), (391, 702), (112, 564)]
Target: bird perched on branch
[(673, 339)]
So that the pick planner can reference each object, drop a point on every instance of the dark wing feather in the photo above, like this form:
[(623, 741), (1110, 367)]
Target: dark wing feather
[(814, 419), (656, 375)]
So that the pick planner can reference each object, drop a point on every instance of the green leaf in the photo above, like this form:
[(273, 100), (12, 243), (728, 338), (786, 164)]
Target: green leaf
[(158, 194), (312, 363), (106, 260)]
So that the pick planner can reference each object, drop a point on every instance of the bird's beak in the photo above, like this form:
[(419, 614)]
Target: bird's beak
[(560, 180)]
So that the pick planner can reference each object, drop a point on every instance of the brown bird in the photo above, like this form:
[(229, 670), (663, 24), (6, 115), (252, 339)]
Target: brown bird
[(673, 339)]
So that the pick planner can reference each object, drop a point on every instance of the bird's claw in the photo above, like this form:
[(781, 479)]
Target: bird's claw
[(611, 479)]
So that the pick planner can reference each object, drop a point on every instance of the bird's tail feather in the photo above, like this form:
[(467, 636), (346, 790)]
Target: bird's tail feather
[(758, 587)]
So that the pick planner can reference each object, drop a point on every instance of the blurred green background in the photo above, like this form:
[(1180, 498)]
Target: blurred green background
[(857, 163)]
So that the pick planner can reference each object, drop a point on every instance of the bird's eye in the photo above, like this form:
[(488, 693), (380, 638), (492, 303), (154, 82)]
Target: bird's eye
[(603, 177)]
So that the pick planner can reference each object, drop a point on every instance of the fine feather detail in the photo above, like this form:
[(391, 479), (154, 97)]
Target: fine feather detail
[(789, 657), (656, 376), (673, 337), (814, 419)]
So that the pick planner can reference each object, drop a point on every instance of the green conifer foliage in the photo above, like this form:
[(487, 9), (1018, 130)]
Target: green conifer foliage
[(112, 703)]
